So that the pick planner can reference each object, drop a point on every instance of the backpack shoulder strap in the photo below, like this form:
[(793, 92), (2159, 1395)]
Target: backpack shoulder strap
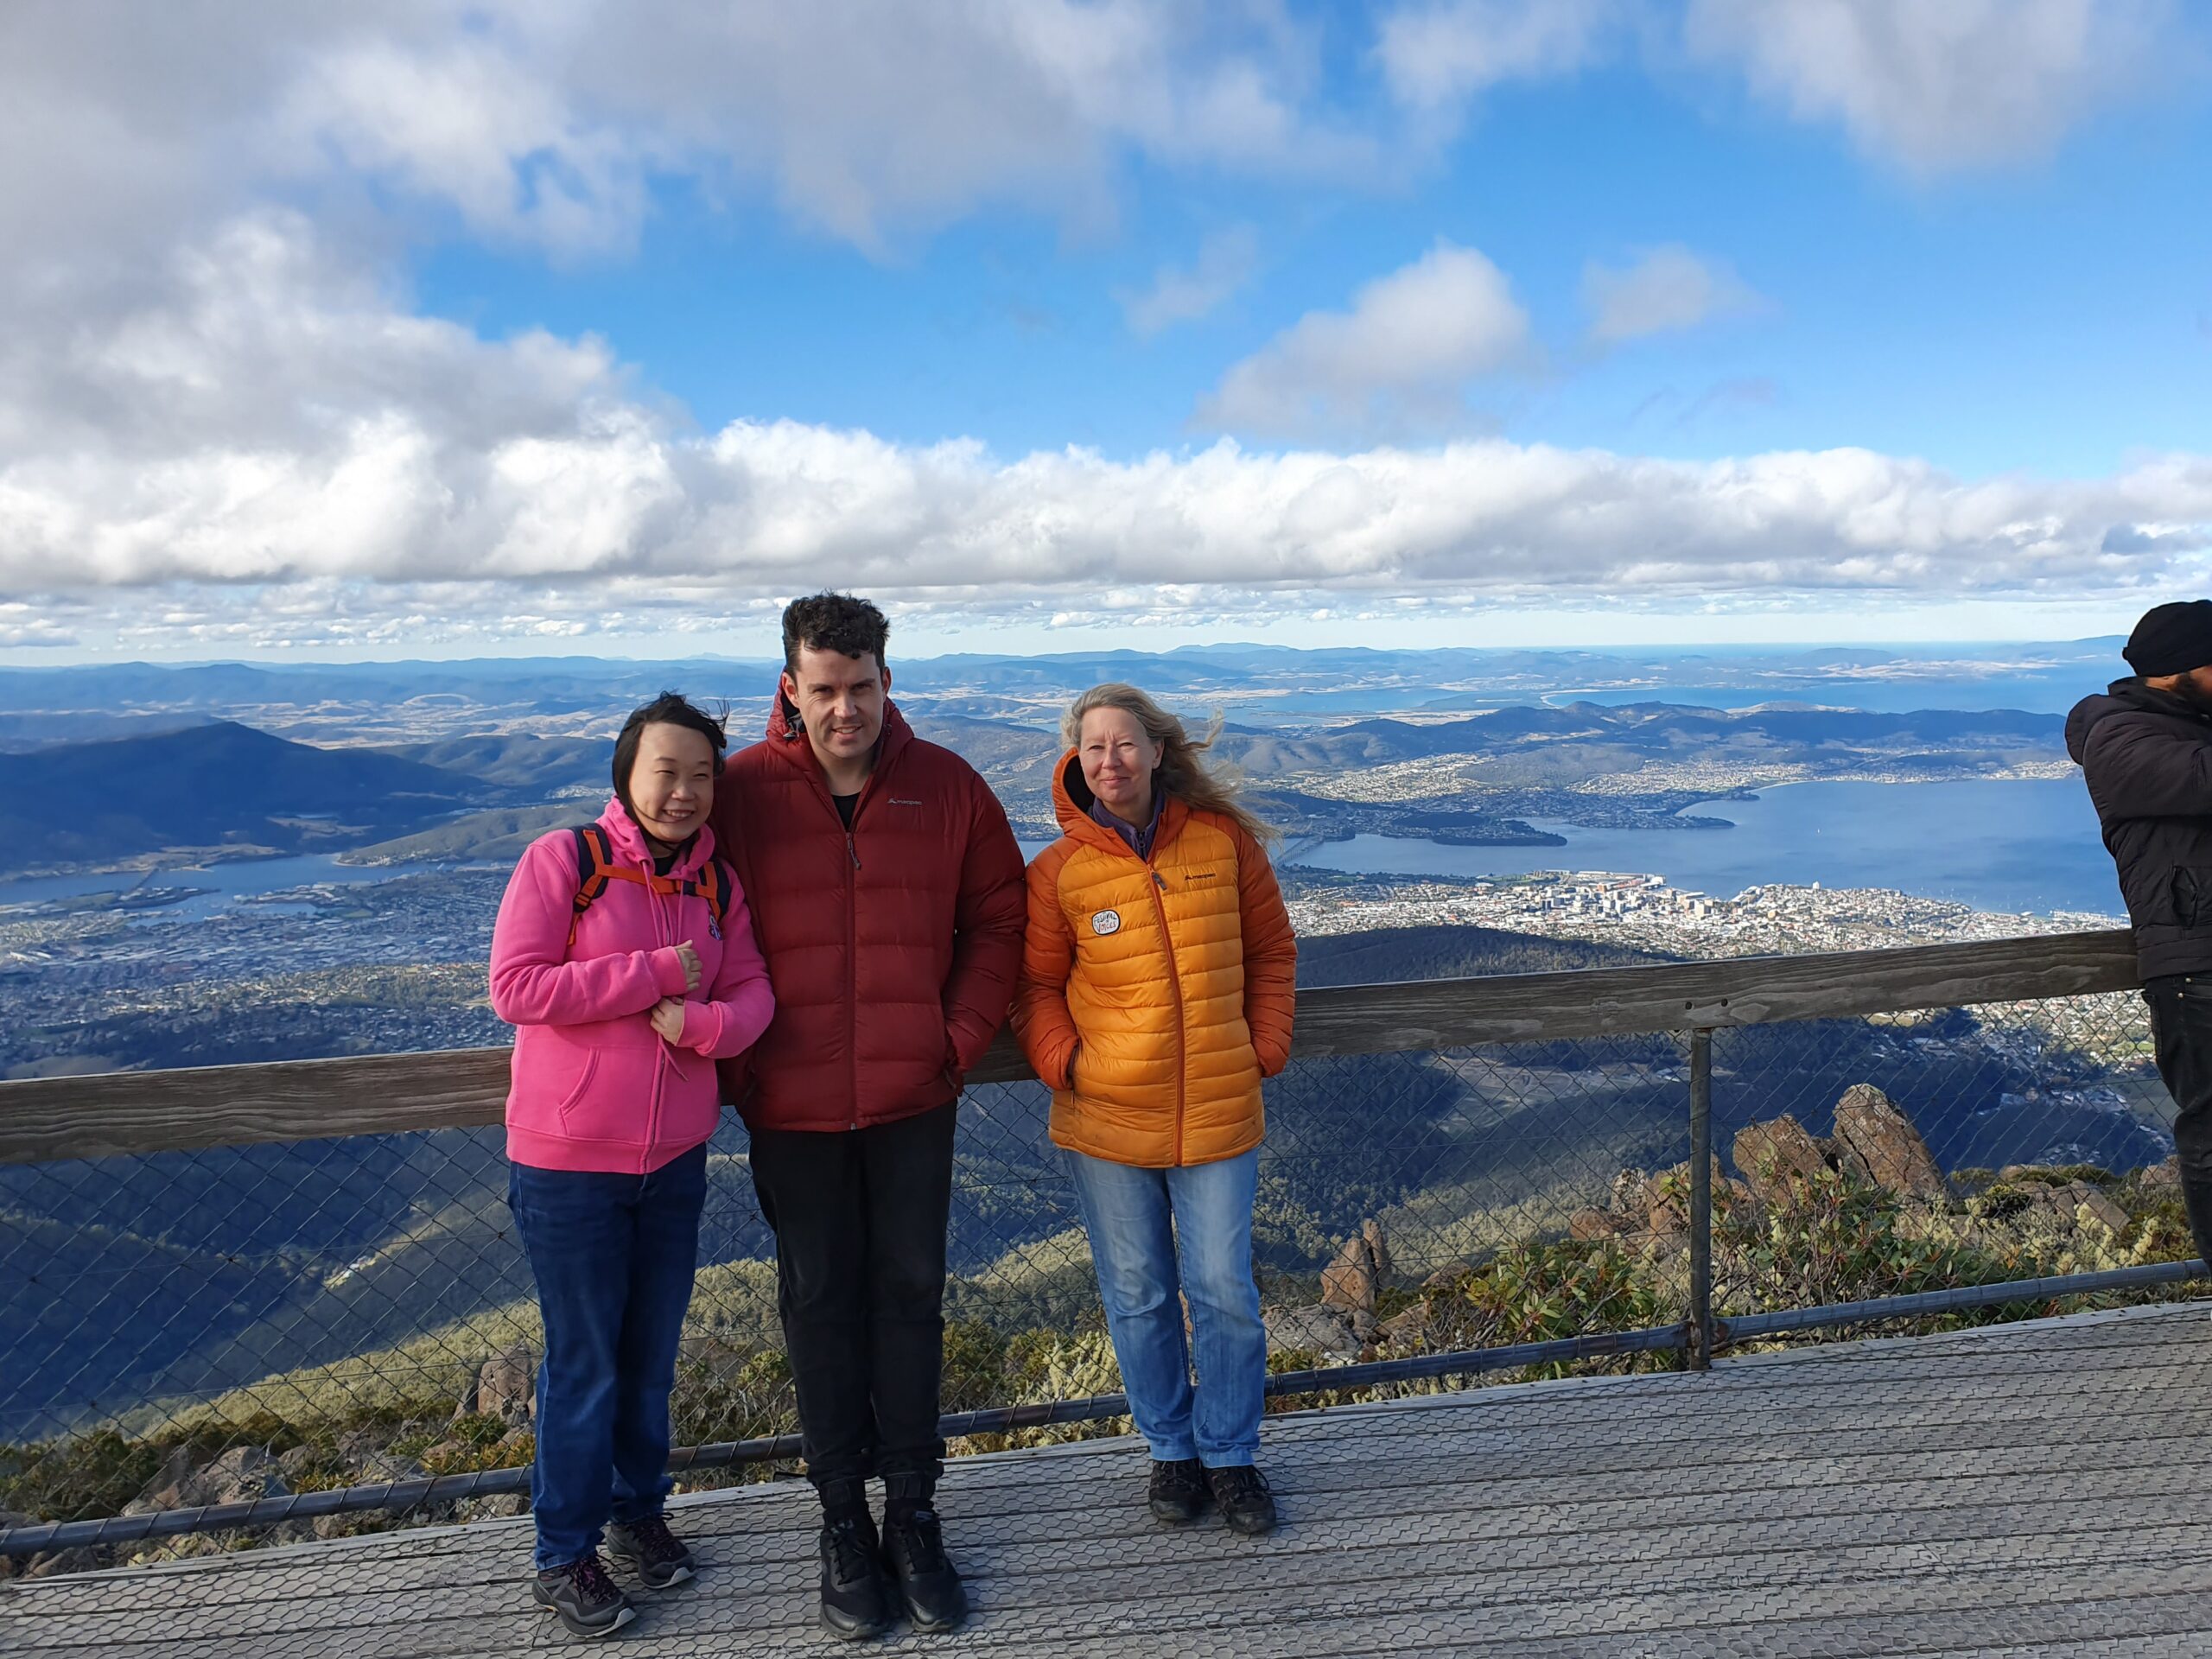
[(595, 859), (716, 881)]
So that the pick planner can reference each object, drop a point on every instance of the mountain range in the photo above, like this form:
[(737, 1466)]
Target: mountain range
[(220, 785), (224, 785)]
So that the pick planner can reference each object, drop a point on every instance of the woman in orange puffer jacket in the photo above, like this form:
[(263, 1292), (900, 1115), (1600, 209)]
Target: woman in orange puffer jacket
[(1158, 981)]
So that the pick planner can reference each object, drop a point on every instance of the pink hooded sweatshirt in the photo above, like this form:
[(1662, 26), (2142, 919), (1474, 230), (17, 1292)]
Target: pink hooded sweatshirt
[(594, 1086)]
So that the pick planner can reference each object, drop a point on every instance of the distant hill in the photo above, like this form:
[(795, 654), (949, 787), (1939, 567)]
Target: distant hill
[(497, 837), (216, 785), (20, 733), (1388, 955), (1594, 735), (541, 766)]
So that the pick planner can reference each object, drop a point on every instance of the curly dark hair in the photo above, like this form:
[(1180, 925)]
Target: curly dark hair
[(838, 622), (670, 708)]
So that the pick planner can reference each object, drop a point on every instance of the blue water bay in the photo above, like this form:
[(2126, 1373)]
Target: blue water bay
[(1998, 845)]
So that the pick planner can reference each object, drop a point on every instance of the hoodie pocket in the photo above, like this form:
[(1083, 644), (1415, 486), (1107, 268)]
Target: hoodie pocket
[(614, 1099), (2192, 895)]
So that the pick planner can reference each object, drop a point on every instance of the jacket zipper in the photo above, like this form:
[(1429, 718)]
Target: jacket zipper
[(660, 1048), (852, 911), (853, 966), (1175, 991), (852, 940)]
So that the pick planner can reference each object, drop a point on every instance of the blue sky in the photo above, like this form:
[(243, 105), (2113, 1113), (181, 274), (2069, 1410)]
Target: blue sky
[(443, 328), (2047, 314)]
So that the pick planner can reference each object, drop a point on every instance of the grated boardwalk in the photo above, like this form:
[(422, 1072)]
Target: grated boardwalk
[(2025, 1490)]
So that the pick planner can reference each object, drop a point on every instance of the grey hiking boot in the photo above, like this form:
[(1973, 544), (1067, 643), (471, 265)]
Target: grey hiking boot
[(648, 1549), (589, 1602)]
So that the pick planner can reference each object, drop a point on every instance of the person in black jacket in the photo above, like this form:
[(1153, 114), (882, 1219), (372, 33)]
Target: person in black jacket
[(2146, 748)]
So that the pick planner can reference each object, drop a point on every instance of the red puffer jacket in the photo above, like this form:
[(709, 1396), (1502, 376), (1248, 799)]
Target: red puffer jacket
[(894, 950)]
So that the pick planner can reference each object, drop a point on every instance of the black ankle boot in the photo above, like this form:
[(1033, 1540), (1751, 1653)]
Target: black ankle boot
[(1246, 1503), (913, 1554), (1177, 1493), (855, 1600)]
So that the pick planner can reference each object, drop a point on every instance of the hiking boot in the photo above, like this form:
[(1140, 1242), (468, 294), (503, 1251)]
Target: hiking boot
[(1246, 1503), (648, 1549), (589, 1603), (1179, 1494), (856, 1601), (913, 1553)]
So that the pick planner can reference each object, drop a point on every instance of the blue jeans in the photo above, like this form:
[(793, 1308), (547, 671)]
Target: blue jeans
[(613, 1256), (1154, 1232)]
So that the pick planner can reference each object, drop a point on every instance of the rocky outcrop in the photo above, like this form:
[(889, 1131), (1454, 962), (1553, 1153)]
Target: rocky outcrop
[(2077, 1202), (1363, 1265), (241, 1475), (1776, 1154), (1322, 1331), (1888, 1148), (2156, 1177), (505, 1388), (1874, 1142)]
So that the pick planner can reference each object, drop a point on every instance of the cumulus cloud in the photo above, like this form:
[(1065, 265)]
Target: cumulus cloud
[(1401, 355), (1936, 87), (1435, 54), (222, 424), (1667, 290), (1226, 262), (313, 465), (544, 124)]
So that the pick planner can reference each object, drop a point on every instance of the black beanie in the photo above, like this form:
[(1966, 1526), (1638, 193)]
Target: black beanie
[(2171, 640)]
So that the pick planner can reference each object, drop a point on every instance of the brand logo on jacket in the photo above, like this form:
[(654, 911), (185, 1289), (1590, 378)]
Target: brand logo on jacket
[(1103, 922), (900, 800), (1201, 875)]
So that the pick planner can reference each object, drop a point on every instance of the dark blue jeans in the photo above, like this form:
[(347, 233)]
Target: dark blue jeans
[(613, 1256)]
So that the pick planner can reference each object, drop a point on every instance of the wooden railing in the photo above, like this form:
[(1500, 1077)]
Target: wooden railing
[(132, 1112)]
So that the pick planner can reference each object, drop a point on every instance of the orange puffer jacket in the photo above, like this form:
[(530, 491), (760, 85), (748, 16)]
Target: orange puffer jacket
[(1177, 976)]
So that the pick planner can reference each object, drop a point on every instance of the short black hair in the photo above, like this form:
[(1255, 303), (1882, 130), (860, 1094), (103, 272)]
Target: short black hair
[(670, 708), (839, 622)]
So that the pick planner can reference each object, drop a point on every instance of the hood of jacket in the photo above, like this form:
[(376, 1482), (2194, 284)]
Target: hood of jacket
[(631, 847), (1072, 800), (786, 734), (2124, 697)]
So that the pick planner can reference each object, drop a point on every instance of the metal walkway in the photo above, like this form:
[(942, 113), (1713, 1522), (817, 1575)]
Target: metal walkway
[(2034, 1489)]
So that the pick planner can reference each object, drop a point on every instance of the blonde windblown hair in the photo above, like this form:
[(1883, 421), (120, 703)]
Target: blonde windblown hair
[(1181, 773)]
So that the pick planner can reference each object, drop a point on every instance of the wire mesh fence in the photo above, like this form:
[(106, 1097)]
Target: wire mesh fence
[(1909, 1153), (199, 1328)]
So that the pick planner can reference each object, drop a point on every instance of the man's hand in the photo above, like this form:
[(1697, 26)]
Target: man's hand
[(668, 1014), (691, 958)]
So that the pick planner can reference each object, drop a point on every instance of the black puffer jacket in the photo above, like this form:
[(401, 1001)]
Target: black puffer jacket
[(2147, 756)]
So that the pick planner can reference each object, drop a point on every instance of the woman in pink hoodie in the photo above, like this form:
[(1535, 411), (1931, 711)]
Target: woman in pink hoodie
[(623, 957)]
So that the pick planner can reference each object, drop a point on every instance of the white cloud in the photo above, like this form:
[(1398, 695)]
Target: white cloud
[(313, 467), (1667, 290), (218, 426), (1401, 356), (544, 124), (1226, 262), (1935, 84), (1435, 55)]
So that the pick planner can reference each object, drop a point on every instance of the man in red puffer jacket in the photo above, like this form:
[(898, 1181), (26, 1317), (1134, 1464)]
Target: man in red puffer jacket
[(888, 899)]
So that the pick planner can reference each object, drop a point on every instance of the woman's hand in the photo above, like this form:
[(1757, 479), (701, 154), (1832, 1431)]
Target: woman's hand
[(689, 957), (668, 1016)]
